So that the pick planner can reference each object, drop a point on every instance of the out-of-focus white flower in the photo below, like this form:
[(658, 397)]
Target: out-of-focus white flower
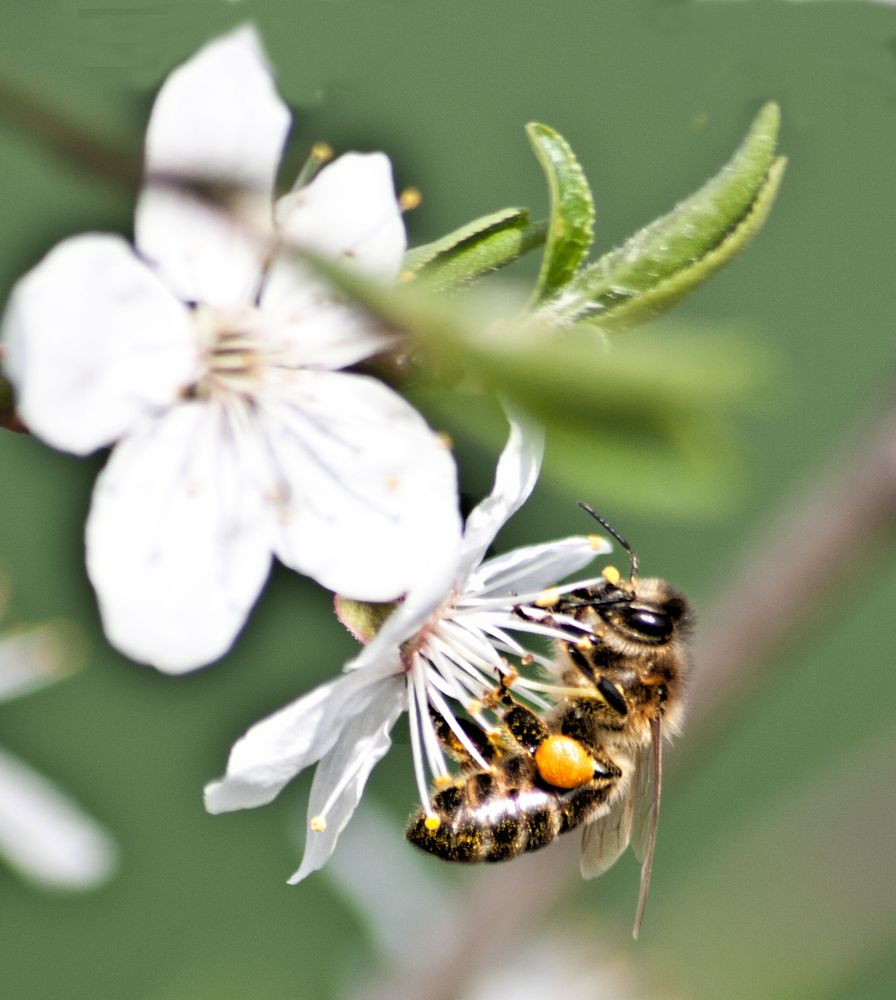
[(43, 834), (213, 360), (447, 642)]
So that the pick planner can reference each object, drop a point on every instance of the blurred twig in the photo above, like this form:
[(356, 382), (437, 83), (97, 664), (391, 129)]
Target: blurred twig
[(72, 140), (782, 583), (812, 549)]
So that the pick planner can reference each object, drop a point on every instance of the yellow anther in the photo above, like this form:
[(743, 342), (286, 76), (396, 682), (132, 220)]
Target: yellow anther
[(611, 575), (318, 824), (527, 660), (548, 598), (432, 823), (445, 440), (321, 152), (409, 199), (443, 781), (584, 645), (474, 707), (597, 542), (510, 677), (406, 276)]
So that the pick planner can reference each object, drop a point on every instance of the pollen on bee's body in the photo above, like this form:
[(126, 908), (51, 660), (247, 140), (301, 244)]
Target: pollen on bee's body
[(548, 598), (563, 762)]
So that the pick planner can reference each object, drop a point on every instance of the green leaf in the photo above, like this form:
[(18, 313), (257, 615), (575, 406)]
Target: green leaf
[(669, 468), (481, 246), (664, 295), (571, 226), (642, 420), (642, 381), (666, 259)]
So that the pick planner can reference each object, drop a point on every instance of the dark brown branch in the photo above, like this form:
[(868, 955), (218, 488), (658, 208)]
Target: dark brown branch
[(66, 137)]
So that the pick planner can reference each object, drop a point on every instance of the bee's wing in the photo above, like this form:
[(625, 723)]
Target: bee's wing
[(606, 837), (648, 783)]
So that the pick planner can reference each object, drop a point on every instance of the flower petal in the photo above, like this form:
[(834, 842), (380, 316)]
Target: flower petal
[(342, 773), (45, 835), (349, 213), (323, 331), (217, 119), (275, 750), (369, 491), (515, 478), (94, 343), (178, 539), (535, 567)]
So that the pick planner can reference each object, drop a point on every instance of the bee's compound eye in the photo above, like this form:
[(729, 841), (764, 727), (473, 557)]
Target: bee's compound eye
[(563, 762), (650, 624)]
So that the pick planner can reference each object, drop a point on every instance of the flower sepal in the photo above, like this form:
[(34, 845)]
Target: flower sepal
[(362, 618)]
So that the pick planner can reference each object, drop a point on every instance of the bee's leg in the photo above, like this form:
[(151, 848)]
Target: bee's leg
[(454, 746), (581, 804), (571, 628), (522, 723)]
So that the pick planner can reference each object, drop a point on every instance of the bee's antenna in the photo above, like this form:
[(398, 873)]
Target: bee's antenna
[(633, 571)]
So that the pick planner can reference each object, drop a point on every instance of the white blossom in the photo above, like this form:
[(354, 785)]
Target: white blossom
[(213, 359), (43, 834), (446, 644)]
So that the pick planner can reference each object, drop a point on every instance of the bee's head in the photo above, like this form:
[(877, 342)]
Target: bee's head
[(643, 612), (651, 614)]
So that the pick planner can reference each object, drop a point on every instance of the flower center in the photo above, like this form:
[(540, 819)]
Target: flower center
[(236, 354)]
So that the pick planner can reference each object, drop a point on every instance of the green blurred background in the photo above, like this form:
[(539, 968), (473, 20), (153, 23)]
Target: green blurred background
[(775, 870)]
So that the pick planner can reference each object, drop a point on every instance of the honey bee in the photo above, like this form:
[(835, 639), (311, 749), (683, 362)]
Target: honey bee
[(594, 760)]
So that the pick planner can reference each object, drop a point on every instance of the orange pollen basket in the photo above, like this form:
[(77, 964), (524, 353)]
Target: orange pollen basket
[(563, 762)]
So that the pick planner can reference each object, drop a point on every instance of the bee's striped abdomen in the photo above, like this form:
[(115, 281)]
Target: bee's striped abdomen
[(498, 816)]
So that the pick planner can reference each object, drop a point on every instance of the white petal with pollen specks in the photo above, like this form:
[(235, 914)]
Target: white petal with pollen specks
[(94, 343), (324, 333), (45, 835), (178, 539), (535, 567), (341, 775), (369, 488), (274, 750), (219, 119), (348, 213)]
